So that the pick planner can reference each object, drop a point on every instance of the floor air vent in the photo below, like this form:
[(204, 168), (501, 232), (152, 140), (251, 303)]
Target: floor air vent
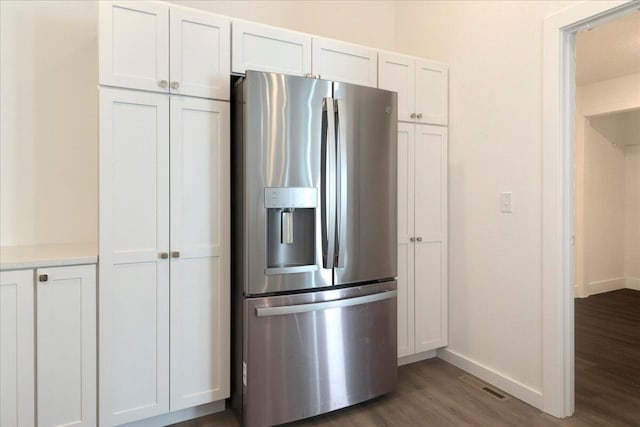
[(481, 385)]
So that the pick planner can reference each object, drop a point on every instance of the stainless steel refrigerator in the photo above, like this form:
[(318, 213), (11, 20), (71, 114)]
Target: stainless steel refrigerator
[(314, 246)]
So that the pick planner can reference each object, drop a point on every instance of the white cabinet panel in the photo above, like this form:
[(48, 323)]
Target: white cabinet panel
[(344, 62), (200, 252), (17, 394), (66, 359), (432, 83), (397, 73), (422, 238), (265, 48), (406, 141), (134, 44), (429, 297), (431, 237), (200, 54), (134, 246), (422, 87)]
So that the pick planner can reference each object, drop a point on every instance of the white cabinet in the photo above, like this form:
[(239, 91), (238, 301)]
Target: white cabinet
[(158, 300), (17, 376), (66, 343), (134, 45), (422, 238), (134, 247), (200, 301), (64, 310), (265, 48), (152, 46), (422, 87), (344, 62)]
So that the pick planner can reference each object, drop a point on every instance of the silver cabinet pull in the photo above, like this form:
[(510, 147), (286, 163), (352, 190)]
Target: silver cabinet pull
[(175, 254), (419, 239), (419, 115), (43, 278), (175, 85), (412, 239), (162, 83), (413, 115), (163, 255)]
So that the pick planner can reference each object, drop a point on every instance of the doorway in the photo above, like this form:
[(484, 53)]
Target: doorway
[(558, 194), (607, 222)]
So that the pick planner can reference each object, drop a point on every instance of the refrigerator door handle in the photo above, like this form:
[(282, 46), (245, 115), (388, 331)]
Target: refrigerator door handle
[(325, 305), (329, 185), (342, 182)]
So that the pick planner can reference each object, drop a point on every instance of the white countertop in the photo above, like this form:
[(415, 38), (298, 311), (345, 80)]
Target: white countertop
[(37, 256)]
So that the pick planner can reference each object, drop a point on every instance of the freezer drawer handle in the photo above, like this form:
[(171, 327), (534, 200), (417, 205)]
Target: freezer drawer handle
[(305, 308)]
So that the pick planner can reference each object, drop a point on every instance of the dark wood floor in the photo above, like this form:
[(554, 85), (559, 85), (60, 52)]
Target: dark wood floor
[(429, 393)]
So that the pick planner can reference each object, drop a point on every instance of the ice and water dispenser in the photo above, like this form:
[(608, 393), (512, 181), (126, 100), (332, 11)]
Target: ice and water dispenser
[(291, 229)]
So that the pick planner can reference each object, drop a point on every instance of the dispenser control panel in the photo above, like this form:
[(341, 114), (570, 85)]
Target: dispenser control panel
[(290, 197)]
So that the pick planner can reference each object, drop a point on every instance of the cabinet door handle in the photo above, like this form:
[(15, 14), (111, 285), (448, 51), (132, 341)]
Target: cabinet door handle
[(412, 239), (413, 115), (175, 254), (419, 239), (162, 83), (164, 255), (175, 85), (43, 278), (419, 115)]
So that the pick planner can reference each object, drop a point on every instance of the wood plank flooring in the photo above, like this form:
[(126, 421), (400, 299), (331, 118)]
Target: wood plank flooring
[(429, 393)]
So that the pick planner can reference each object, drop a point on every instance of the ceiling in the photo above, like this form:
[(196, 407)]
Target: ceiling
[(609, 50)]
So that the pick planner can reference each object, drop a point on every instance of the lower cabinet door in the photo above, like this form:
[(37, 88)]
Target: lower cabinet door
[(16, 349), (200, 252), (134, 256), (431, 238), (66, 339), (406, 239)]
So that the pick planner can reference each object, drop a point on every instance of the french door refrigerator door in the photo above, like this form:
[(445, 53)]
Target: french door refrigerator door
[(284, 124), (366, 184), (310, 353)]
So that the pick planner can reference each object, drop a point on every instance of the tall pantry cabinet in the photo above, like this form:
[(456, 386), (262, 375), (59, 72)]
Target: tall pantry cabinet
[(164, 217), (422, 200)]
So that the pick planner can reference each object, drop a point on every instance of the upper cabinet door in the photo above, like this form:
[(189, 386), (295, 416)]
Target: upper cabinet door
[(432, 87), (345, 62), (134, 45), (264, 48), (397, 73), (200, 54)]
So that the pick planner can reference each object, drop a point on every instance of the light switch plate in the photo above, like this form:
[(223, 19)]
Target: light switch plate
[(505, 203)]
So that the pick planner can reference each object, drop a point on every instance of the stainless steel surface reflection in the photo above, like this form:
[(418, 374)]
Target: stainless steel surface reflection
[(313, 206), (304, 358)]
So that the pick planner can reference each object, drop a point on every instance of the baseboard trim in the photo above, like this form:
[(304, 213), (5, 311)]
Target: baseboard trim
[(493, 377), (603, 286), (632, 283), (578, 291), (412, 358), (179, 416)]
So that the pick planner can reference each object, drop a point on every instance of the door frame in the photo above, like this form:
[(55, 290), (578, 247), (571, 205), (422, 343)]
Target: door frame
[(558, 156)]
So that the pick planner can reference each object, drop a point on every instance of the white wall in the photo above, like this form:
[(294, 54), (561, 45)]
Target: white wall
[(632, 216), (48, 121), (49, 102), (606, 185), (495, 281), (368, 22), (604, 211)]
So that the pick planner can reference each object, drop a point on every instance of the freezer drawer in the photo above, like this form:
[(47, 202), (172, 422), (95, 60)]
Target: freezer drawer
[(316, 352)]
